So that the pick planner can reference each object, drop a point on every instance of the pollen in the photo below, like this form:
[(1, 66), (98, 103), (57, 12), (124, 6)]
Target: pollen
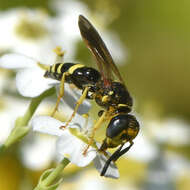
[(74, 67)]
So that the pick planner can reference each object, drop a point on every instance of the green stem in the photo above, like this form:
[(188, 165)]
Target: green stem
[(21, 123), (56, 172), (44, 183)]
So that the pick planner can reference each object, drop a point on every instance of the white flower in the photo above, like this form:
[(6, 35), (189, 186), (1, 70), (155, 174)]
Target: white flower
[(33, 146), (29, 78), (28, 31), (67, 31), (72, 142), (169, 129)]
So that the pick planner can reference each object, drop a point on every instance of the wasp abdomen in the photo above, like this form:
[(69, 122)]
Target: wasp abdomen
[(85, 76), (78, 74), (57, 70)]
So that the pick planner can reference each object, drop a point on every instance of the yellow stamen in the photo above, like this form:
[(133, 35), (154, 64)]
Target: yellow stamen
[(58, 51)]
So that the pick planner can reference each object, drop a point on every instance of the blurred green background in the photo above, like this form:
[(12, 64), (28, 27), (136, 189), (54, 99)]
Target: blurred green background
[(155, 36)]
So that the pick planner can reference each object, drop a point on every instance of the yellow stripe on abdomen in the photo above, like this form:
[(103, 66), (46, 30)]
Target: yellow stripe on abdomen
[(53, 68), (74, 67), (59, 68)]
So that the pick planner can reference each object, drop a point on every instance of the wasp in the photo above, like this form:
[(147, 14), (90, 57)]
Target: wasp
[(106, 86)]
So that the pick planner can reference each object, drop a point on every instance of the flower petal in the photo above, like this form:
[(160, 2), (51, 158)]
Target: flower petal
[(17, 61), (74, 147), (71, 96), (31, 83), (47, 125), (33, 149), (99, 163)]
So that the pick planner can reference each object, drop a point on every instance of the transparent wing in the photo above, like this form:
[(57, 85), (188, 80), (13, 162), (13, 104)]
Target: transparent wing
[(95, 43)]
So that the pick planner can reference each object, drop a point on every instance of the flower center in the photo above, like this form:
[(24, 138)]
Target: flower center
[(82, 136), (30, 29)]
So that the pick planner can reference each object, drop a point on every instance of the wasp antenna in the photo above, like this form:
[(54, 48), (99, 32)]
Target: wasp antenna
[(115, 156), (111, 158)]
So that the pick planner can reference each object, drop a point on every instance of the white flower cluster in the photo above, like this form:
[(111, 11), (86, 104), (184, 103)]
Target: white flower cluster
[(31, 83), (31, 35)]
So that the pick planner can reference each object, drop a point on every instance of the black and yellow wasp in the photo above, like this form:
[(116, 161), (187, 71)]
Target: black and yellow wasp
[(106, 87)]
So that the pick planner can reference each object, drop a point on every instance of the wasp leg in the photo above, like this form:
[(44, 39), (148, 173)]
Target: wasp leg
[(61, 93), (115, 156), (86, 116), (124, 151), (95, 127), (78, 103)]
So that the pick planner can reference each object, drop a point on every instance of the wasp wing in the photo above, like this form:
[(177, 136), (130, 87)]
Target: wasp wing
[(95, 43)]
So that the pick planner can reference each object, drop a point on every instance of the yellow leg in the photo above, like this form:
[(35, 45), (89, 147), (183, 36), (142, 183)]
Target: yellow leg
[(78, 103), (86, 116), (61, 93), (96, 126)]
